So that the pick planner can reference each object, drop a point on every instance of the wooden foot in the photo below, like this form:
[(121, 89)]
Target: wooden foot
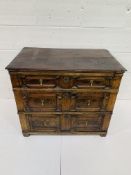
[(103, 135), (25, 134)]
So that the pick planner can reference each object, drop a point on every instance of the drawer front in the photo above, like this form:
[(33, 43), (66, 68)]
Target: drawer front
[(46, 81), (36, 81), (85, 82), (66, 101), (65, 123), (89, 101), (87, 122), (93, 82), (40, 102), (65, 82), (44, 122)]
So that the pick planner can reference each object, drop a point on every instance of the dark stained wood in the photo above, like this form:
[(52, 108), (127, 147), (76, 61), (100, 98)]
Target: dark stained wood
[(65, 82), (44, 122), (65, 91), (33, 59)]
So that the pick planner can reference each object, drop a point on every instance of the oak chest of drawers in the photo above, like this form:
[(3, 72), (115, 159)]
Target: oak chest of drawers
[(65, 91)]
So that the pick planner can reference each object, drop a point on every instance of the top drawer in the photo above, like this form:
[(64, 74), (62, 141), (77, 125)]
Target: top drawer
[(38, 81), (62, 81)]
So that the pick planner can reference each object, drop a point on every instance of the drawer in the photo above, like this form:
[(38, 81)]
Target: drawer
[(87, 122), (85, 82), (65, 82), (37, 81), (93, 82), (40, 102), (65, 123), (46, 81), (35, 101), (89, 101), (39, 122)]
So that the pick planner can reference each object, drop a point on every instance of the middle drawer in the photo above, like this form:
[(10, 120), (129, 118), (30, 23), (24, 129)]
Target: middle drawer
[(64, 101)]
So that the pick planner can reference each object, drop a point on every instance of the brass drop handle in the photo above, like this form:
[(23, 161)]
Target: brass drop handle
[(42, 102), (41, 82), (86, 123), (59, 97), (89, 103), (46, 123), (73, 96), (91, 82)]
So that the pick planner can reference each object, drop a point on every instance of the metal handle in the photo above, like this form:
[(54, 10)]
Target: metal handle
[(86, 123), (41, 82), (73, 96), (91, 82), (46, 123), (89, 103), (42, 102), (59, 97)]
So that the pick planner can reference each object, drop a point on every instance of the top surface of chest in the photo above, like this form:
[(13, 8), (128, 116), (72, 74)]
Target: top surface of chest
[(85, 60)]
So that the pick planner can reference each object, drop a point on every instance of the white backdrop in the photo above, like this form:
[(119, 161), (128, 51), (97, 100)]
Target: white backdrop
[(65, 24)]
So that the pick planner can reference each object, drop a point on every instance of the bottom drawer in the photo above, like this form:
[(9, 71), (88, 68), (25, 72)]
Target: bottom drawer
[(44, 122), (92, 121)]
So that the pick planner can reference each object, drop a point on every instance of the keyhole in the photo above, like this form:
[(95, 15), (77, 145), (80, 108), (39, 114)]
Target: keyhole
[(66, 79), (42, 102)]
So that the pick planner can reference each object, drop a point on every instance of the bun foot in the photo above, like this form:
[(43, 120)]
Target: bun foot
[(103, 135), (25, 134)]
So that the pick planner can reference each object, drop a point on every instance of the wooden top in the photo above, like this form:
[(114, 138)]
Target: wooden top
[(85, 60)]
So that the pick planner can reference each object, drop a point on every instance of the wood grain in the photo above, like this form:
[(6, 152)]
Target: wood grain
[(94, 60), (54, 96)]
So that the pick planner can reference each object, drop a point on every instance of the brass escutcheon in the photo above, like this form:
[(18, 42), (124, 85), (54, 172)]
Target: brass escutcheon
[(66, 79)]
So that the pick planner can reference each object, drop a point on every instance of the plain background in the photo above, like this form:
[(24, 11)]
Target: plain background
[(65, 24)]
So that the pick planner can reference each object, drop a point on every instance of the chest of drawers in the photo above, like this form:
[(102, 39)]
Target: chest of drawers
[(65, 91)]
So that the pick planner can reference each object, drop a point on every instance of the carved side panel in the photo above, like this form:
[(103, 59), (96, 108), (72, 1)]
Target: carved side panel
[(117, 80), (106, 121), (15, 80), (19, 101), (24, 123)]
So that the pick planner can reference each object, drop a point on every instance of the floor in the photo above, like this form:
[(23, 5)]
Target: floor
[(65, 155)]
